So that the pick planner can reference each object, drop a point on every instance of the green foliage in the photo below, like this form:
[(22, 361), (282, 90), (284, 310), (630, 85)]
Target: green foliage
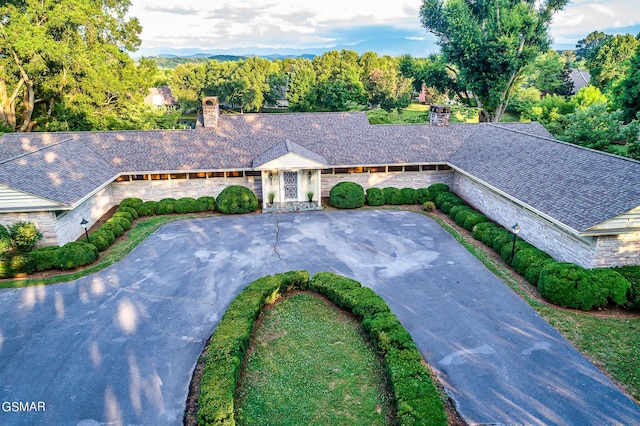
[(44, 258), (628, 93), (571, 286), (409, 196), (24, 235), (503, 238), (528, 257), (392, 196), (423, 195), (347, 195), (185, 205), (460, 210), (594, 127), (21, 263), (590, 95), (375, 197), (102, 238), (615, 286), (435, 189), (132, 211), (123, 215), (445, 201), (532, 273), (6, 244), (609, 62), (112, 227), (236, 199), (507, 253), (148, 208), (74, 254), (205, 204), (132, 202), (474, 219), (428, 206), (121, 222), (166, 206), (481, 229), (632, 274)]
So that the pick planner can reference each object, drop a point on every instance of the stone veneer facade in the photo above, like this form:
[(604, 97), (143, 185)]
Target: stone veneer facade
[(398, 180), (589, 252)]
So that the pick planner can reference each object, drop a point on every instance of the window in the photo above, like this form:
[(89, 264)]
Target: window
[(411, 168), (380, 169), (234, 174), (139, 177), (395, 168), (444, 167), (215, 174), (342, 170), (358, 170), (178, 175), (252, 173), (327, 171), (429, 167), (200, 175), (123, 178)]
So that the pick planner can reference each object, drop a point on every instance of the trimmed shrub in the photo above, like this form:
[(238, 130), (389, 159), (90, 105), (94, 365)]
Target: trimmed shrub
[(528, 257), (185, 205), (423, 195), (148, 208), (481, 229), (532, 273), (571, 286), (428, 206), (392, 195), (6, 244), (446, 200), (166, 206), (236, 199), (375, 197), (346, 195), (387, 332), (506, 250), (124, 215), (44, 258), (5, 267), (459, 213), (102, 238), (474, 219), (76, 253), (503, 237), (205, 204), (24, 236), (120, 221), (437, 188), (632, 274), (21, 263), (409, 196), (615, 286), (132, 202), (455, 210), (133, 212), (112, 227)]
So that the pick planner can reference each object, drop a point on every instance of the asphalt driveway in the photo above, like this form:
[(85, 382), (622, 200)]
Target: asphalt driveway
[(119, 347)]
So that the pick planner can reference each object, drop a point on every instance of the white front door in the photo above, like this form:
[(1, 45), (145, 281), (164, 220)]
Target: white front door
[(290, 186)]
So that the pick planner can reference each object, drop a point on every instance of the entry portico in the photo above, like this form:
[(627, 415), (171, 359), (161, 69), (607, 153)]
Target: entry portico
[(291, 177)]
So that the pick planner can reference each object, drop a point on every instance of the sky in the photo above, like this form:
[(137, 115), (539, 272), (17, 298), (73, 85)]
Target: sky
[(186, 27)]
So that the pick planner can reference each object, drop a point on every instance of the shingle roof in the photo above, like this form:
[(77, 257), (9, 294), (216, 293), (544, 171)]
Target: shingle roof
[(573, 185)]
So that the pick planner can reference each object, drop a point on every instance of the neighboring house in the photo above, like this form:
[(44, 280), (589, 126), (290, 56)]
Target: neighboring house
[(162, 97), (579, 205), (580, 79)]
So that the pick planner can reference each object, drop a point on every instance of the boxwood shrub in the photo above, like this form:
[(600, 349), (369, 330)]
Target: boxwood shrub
[(21, 263), (166, 206), (346, 195), (133, 212), (474, 219), (615, 286), (185, 205), (532, 273), (423, 195), (102, 238), (24, 236), (236, 199), (44, 258), (481, 229), (375, 197), (132, 202), (148, 208), (571, 286), (632, 274), (428, 206), (125, 215), (503, 237), (437, 188), (74, 254), (459, 213), (528, 257), (409, 196), (446, 200), (205, 204), (507, 253), (112, 227), (120, 221), (392, 195)]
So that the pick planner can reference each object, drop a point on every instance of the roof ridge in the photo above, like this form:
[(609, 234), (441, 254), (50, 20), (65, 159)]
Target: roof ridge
[(558, 141), (35, 150)]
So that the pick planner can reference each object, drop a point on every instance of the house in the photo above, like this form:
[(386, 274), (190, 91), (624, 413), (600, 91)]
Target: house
[(161, 97), (579, 205), (580, 79)]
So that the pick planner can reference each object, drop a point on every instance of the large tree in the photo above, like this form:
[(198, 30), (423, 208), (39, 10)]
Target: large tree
[(47, 46), (609, 62), (490, 42), (629, 90)]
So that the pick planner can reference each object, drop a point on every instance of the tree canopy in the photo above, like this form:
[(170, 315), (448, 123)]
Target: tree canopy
[(490, 42)]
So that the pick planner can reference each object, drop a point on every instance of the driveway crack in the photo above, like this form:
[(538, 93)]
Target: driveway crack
[(275, 244)]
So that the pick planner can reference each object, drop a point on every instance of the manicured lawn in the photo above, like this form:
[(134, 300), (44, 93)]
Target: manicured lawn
[(311, 365)]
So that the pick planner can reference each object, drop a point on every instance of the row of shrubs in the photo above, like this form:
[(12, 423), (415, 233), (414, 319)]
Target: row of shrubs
[(418, 402), (350, 195), (231, 200), (564, 284)]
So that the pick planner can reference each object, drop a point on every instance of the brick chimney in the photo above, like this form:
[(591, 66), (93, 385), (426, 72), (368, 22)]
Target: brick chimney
[(210, 111), (439, 115)]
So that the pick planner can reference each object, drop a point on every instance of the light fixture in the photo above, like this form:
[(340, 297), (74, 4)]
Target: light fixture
[(270, 177), (516, 230), (84, 224), (309, 176)]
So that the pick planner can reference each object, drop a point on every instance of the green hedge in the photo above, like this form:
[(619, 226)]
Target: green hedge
[(474, 219), (133, 212), (24, 236), (121, 222), (166, 206), (418, 402), (392, 196), (632, 274), (423, 195), (102, 238), (428, 206), (459, 213), (507, 249), (74, 254), (112, 227), (185, 205), (375, 197), (132, 202), (44, 258), (346, 195), (205, 204), (615, 286), (125, 215), (445, 201), (409, 196), (148, 208), (236, 199), (437, 188)]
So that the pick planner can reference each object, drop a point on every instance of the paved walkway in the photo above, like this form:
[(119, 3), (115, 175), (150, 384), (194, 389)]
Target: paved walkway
[(119, 347)]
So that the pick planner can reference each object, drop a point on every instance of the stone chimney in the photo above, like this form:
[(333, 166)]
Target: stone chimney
[(210, 111), (439, 115)]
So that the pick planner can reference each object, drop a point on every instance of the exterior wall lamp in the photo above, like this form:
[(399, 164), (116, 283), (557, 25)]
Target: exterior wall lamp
[(270, 178), (84, 224), (309, 175), (516, 230)]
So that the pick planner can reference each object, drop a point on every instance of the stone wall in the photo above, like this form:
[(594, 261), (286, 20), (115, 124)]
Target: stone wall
[(381, 180), (534, 229), (68, 226), (617, 250), (155, 190)]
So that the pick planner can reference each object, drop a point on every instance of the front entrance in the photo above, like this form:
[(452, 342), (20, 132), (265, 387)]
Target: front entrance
[(290, 186)]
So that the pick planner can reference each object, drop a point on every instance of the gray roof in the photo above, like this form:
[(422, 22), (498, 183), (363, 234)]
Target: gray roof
[(573, 185)]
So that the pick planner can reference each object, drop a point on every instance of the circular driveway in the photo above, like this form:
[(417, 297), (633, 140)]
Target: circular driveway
[(119, 346)]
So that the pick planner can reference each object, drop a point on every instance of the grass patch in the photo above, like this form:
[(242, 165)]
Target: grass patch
[(311, 365)]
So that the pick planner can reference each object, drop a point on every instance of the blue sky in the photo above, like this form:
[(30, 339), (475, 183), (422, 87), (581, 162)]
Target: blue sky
[(304, 26)]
